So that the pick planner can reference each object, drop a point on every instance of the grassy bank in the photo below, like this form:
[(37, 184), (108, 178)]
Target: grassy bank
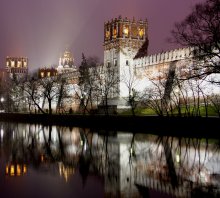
[(202, 111)]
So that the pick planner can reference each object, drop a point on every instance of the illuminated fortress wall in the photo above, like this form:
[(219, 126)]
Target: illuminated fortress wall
[(151, 66), (122, 40), (126, 50)]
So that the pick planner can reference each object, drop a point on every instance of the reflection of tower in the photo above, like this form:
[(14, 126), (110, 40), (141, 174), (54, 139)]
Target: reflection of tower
[(17, 66), (66, 63), (122, 40)]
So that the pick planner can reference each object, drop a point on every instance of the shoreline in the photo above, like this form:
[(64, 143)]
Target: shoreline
[(197, 127)]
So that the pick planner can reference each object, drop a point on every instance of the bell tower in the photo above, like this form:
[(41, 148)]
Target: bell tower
[(122, 40), (17, 66)]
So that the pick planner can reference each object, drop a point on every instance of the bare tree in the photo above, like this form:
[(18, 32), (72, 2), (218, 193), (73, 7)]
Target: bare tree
[(130, 81), (200, 30), (107, 82), (153, 97), (215, 101), (159, 95), (87, 90), (31, 90), (15, 99), (63, 94), (48, 88)]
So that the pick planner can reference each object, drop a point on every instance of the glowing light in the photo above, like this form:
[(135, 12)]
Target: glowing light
[(24, 169), (18, 170), (12, 170), (131, 151), (15, 169), (2, 134), (141, 33), (178, 158), (107, 34), (125, 31), (19, 64), (42, 158), (25, 63), (6, 170), (114, 33), (12, 63), (66, 172)]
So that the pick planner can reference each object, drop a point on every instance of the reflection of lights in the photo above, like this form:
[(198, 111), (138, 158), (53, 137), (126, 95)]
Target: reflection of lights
[(177, 158), (12, 170), (66, 172), (85, 147), (6, 170), (81, 143), (131, 150), (18, 170), (204, 176), (42, 158), (2, 99), (15, 169), (2, 134), (74, 137), (24, 134), (24, 169)]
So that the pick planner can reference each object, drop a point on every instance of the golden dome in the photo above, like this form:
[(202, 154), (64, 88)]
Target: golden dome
[(67, 54)]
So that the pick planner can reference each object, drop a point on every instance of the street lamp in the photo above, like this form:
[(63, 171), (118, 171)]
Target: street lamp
[(2, 99)]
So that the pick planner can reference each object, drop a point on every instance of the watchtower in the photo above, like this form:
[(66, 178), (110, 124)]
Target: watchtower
[(122, 40)]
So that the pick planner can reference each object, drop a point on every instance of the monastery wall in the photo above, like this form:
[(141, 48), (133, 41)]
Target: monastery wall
[(164, 57), (157, 65)]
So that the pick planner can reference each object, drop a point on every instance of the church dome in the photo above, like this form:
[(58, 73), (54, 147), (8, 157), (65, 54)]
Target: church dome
[(67, 54), (67, 59)]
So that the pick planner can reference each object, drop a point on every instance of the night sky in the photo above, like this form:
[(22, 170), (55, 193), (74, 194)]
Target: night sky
[(42, 29)]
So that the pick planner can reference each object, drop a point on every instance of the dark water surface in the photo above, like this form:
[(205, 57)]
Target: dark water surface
[(51, 161)]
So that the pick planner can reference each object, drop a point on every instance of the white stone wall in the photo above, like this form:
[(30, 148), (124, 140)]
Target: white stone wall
[(164, 57), (124, 57)]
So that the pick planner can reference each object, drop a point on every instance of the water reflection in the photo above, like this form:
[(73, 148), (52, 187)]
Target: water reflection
[(110, 164), (15, 169)]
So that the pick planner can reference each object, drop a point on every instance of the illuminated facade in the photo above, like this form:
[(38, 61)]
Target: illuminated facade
[(123, 38), (66, 63), (17, 66), (126, 50), (47, 72)]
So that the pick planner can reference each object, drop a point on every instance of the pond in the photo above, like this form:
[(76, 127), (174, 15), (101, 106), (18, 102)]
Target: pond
[(55, 161)]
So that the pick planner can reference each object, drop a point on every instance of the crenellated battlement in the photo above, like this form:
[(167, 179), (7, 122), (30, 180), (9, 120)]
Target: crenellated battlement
[(125, 29), (168, 56)]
